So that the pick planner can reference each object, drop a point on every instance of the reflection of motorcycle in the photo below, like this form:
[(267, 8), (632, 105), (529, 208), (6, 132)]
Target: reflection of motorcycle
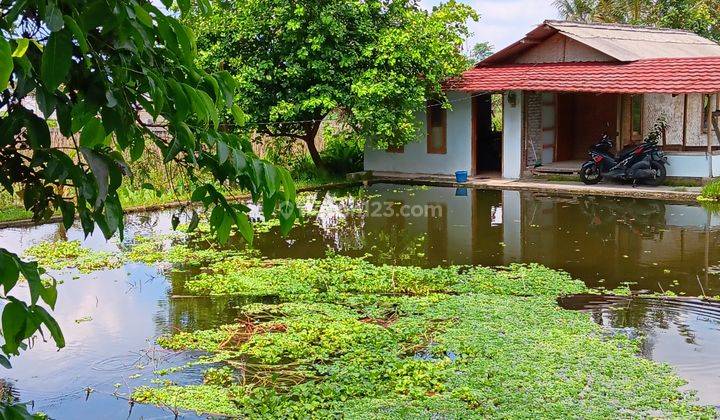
[(645, 218), (644, 162)]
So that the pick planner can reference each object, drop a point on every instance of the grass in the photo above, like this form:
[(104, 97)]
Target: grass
[(356, 340), (710, 192), (131, 198)]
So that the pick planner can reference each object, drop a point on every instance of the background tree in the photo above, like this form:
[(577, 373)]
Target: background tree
[(481, 51), (94, 65), (699, 16), (374, 62)]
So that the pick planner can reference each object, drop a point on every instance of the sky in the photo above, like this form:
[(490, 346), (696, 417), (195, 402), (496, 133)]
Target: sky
[(503, 22)]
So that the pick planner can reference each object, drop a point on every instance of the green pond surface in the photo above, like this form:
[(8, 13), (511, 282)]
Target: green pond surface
[(111, 318)]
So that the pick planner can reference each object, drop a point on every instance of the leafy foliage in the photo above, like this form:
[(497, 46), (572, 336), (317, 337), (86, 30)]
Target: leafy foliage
[(111, 72), (295, 62), (481, 51), (350, 339), (699, 16)]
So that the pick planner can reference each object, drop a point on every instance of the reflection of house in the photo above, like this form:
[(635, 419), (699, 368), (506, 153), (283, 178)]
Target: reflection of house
[(563, 86)]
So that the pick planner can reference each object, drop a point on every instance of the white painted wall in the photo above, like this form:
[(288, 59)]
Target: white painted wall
[(512, 137), (415, 158), (512, 226), (689, 164)]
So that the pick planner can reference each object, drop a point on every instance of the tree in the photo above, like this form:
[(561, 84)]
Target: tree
[(374, 62), (481, 51), (94, 65), (699, 16)]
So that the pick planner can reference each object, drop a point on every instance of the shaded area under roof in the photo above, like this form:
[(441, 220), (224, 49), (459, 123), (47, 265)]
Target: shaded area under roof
[(621, 42), (663, 75)]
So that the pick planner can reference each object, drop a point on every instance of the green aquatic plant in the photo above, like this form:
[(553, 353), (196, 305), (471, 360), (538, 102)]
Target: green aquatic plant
[(351, 339), (710, 192), (58, 255)]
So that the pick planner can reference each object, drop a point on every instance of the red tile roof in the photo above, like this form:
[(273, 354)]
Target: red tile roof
[(661, 75)]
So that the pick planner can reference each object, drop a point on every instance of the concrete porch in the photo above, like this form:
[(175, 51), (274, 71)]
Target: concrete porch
[(682, 194), (563, 167)]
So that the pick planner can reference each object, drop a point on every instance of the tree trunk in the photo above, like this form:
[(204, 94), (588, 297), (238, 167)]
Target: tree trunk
[(314, 154), (311, 132)]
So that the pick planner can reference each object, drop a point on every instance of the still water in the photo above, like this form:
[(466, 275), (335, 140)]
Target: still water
[(111, 318)]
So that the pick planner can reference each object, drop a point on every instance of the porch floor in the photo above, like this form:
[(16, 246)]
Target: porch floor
[(547, 187), (562, 167)]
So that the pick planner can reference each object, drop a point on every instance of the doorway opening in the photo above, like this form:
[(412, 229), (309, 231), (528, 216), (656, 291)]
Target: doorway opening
[(487, 122), (582, 119)]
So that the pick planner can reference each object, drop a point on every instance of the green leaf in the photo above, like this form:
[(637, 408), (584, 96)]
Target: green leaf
[(194, 222), (93, 134), (9, 270), (113, 214), (222, 151), (287, 183), (14, 320), (21, 48), (244, 227), (199, 193), (238, 115), (272, 180), (223, 230), (51, 325), (5, 362), (179, 99), (184, 6), (142, 15), (6, 63), (38, 132), (68, 213), (210, 108), (56, 59), (53, 17), (175, 221), (187, 138), (100, 171), (77, 33), (46, 101), (49, 295)]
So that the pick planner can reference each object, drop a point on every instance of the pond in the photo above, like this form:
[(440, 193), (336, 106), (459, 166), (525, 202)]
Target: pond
[(111, 318)]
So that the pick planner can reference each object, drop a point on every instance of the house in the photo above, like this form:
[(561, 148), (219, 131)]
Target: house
[(554, 94)]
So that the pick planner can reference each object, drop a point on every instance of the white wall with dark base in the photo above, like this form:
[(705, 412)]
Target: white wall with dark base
[(512, 135), (415, 158)]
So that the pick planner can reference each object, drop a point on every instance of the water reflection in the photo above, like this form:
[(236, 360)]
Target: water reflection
[(606, 242), (603, 241), (683, 333)]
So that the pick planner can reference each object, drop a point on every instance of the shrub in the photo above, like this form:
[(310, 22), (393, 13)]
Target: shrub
[(711, 191)]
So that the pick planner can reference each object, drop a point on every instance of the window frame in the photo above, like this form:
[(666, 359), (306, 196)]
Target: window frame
[(635, 135), (431, 149)]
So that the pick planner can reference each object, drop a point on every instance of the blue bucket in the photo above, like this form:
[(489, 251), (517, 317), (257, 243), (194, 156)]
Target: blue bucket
[(461, 176), (461, 192)]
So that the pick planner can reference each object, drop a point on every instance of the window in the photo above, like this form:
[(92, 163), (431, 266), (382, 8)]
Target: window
[(637, 117), (705, 108), (437, 128)]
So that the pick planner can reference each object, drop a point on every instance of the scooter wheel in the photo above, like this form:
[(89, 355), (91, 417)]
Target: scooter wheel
[(660, 174), (590, 175)]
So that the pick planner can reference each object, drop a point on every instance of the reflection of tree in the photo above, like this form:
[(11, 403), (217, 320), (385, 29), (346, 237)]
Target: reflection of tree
[(647, 316), (396, 246), (8, 393), (342, 220), (642, 218)]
